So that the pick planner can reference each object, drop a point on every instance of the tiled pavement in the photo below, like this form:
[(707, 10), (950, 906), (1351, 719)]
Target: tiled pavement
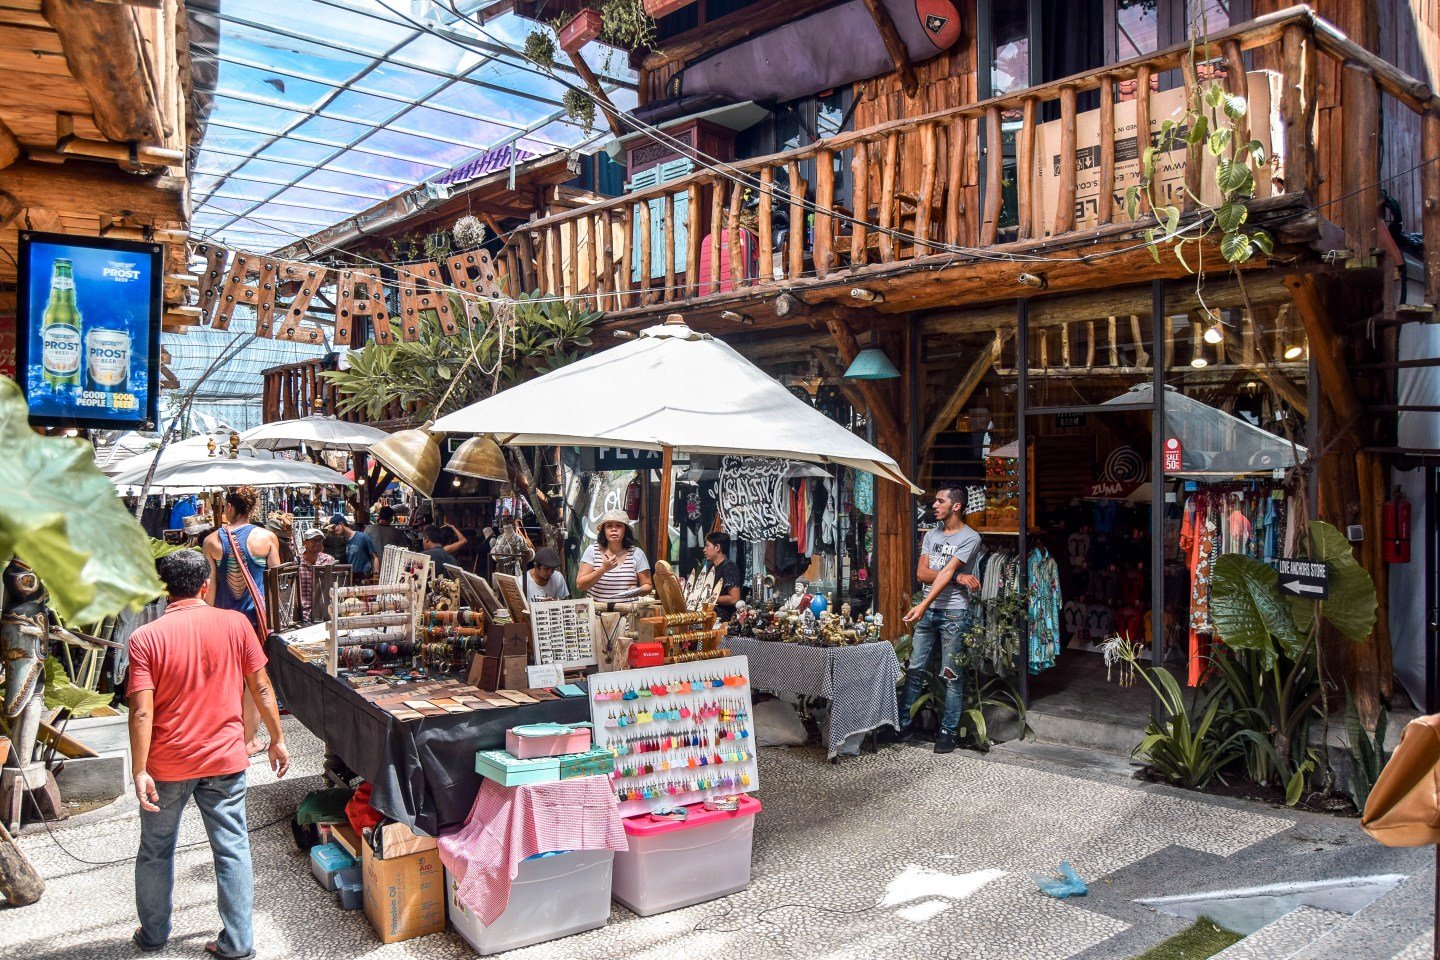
[(896, 854)]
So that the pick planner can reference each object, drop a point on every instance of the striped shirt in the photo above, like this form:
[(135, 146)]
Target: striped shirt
[(621, 579)]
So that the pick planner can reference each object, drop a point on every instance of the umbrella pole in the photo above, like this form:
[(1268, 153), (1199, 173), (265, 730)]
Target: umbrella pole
[(667, 462)]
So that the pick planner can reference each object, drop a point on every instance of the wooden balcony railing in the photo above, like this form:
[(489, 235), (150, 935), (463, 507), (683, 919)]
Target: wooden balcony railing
[(916, 183), (297, 390)]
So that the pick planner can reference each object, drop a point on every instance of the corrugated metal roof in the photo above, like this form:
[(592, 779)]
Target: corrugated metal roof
[(491, 161)]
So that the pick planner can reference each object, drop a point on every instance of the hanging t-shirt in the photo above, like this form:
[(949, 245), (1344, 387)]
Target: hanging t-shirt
[(939, 549)]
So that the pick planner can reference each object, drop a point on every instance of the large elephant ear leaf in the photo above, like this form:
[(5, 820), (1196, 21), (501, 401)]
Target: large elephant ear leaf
[(1248, 611), (1350, 607), (61, 516)]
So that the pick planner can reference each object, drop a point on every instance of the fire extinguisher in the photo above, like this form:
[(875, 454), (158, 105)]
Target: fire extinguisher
[(1395, 528), (632, 500)]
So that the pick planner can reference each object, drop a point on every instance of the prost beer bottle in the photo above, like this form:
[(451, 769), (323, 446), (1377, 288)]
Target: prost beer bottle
[(60, 333)]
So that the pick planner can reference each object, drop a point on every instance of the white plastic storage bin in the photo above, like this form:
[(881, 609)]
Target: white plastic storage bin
[(673, 864), (551, 897)]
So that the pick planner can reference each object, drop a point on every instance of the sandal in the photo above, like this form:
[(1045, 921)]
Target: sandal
[(141, 945), (213, 948)]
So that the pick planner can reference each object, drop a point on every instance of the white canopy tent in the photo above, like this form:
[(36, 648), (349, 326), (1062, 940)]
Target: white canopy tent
[(315, 432), (671, 389), (187, 471)]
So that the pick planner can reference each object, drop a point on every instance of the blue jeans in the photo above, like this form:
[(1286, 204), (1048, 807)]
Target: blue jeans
[(951, 625), (222, 807)]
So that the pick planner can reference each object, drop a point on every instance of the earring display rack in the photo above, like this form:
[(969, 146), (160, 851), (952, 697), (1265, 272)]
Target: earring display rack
[(680, 733), (384, 613), (563, 632)]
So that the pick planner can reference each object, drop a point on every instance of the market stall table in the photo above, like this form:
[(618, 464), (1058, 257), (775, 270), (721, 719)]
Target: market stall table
[(422, 771), (858, 681)]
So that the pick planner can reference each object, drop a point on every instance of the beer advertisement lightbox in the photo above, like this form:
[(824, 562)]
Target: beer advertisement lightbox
[(88, 330)]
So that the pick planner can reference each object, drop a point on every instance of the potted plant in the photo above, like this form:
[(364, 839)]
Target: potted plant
[(579, 30)]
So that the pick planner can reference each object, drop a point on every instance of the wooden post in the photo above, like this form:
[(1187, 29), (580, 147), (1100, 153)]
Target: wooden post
[(1238, 83), (1430, 217), (717, 200), (572, 269), (796, 244), (623, 278), (824, 200), (1194, 152), (1105, 210), (668, 247), (1025, 193), (1297, 110), (737, 258), (958, 145), (692, 241), (662, 539), (860, 190), (766, 219), (888, 170), (894, 45), (1360, 161), (1142, 125), (647, 265), (994, 174), (1065, 202), (924, 214)]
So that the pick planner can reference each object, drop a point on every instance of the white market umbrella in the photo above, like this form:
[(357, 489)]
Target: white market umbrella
[(670, 389), (183, 451), (315, 432), (223, 472)]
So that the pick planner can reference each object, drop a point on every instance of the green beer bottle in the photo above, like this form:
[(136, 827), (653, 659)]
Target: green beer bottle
[(60, 333)]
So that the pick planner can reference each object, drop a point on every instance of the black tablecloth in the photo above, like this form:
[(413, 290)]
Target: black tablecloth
[(422, 771)]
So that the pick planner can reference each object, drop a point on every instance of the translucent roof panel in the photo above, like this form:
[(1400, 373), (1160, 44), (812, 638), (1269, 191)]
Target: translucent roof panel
[(340, 105)]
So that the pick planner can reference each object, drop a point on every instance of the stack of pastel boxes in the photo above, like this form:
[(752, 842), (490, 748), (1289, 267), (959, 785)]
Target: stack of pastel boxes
[(554, 894)]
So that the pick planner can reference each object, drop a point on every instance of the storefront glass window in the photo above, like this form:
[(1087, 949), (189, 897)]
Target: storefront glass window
[(1084, 360)]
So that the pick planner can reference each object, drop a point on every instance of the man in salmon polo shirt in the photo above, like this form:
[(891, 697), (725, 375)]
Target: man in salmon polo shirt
[(186, 740)]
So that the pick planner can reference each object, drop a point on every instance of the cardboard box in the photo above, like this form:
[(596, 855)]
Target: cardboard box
[(1262, 118), (392, 840), (404, 896)]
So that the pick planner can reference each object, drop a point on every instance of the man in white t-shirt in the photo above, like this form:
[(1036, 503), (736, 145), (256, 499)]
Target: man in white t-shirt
[(945, 622), (544, 581)]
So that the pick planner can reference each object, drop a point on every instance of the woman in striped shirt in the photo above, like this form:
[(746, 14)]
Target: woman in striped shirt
[(614, 568)]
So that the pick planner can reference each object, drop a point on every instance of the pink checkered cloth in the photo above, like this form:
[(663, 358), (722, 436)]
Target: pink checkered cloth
[(508, 824)]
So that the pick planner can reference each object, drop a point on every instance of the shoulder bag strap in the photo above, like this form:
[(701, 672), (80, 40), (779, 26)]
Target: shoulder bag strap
[(256, 597)]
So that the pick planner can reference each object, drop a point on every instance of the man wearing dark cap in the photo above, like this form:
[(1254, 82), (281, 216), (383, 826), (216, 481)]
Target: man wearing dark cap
[(360, 550), (187, 670), (545, 581)]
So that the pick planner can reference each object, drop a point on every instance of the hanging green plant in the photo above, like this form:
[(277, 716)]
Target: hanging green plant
[(540, 49), (626, 24), (580, 107)]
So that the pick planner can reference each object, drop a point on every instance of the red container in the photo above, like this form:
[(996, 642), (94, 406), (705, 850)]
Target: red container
[(582, 28), (647, 654)]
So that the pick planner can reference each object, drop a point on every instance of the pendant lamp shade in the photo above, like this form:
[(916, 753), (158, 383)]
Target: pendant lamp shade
[(479, 457), (871, 364), (413, 456)]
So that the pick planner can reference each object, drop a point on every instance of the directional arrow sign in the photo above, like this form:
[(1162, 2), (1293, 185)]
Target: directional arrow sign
[(1304, 578)]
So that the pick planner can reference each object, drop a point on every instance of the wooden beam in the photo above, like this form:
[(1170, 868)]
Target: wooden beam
[(1327, 350), (894, 45), (592, 83), (98, 189), (9, 146), (1430, 216), (887, 429), (984, 362), (730, 29), (105, 52)]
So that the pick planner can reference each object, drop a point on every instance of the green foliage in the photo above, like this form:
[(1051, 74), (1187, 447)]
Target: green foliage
[(580, 107), (62, 517), (1367, 753), (1203, 938), (540, 49), (1350, 607), (545, 335), (1271, 706), (996, 694), (61, 692), (625, 24), (1209, 122), (1249, 612), (1180, 748)]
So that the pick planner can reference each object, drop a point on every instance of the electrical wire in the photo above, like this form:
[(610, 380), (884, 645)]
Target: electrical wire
[(110, 863)]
